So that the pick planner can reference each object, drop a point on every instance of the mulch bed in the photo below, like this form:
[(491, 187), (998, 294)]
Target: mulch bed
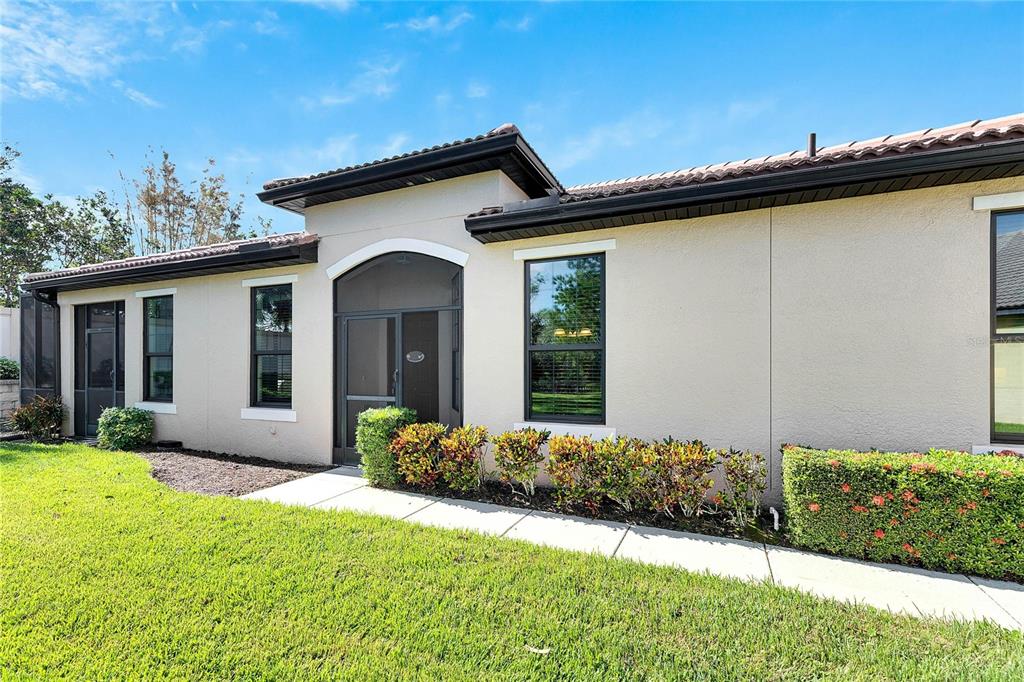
[(210, 473), (544, 499)]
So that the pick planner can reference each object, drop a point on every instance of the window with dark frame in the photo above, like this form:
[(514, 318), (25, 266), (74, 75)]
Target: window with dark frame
[(565, 347), (271, 363), (158, 349), (1008, 327)]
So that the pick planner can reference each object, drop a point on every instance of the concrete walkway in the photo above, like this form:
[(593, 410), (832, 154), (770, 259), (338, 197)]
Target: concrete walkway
[(895, 588)]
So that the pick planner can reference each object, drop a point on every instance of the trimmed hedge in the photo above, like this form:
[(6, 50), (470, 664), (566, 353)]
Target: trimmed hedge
[(375, 428), (944, 510), (124, 428)]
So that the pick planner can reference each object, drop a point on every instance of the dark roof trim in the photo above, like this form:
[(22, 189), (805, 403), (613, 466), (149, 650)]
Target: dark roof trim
[(508, 152), (296, 253), (871, 176)]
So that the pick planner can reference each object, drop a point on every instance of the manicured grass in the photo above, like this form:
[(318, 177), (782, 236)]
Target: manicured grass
[(105, 573), (1009, 427)]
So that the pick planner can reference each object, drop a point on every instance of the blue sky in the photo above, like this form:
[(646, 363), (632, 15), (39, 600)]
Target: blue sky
[(600, 90)]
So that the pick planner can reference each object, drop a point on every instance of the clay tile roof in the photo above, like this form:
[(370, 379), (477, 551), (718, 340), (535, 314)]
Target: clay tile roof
[(194, 253), (961, 134), (504, 129)]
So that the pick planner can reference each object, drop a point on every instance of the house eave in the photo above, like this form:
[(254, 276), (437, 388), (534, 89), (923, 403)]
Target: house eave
[(508, 153), (821, 183), (272, 257)]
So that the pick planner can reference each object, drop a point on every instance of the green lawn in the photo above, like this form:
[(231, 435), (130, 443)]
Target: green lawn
[(105, 573), (1009, 427)]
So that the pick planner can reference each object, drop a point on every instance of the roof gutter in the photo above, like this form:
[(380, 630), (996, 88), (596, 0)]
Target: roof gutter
[(587, 213)]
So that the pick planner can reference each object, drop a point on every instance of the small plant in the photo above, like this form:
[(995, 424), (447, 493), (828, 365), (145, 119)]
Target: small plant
[(124, 428), (679, 475), (571, 466), (41, 419), (517, 454), (462, 457), (417, 451), (375, 429), (9, 369), (744, 485)]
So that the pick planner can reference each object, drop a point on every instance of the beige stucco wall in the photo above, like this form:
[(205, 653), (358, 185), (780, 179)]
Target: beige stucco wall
[(856, 323)]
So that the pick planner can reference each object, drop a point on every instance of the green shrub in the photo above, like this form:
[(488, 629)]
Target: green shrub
[(417, 451), (41, 419), (124, 428), (462, 457), (679, 475), (621, 475), (9, 369), (375, 428), (745, 481), (518, 457), (944, 510), (572, 466)]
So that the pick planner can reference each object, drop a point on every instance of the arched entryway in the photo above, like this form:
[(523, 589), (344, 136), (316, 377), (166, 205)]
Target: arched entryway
[(397, 341)]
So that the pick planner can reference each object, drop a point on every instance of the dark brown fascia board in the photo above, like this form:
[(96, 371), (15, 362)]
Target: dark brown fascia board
[(282, 256), (489, 228), (420, 165)]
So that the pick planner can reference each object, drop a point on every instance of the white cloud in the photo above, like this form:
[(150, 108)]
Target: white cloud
[(435, 24), (268, 24), (477, 90), (137, 96), (56, 50), (47, 50), (640, 126), (395, 145), (337, 5), (521, 25), (377, 79)]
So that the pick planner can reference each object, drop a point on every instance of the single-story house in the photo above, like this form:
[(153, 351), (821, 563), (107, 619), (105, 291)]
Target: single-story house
[(868, 294)]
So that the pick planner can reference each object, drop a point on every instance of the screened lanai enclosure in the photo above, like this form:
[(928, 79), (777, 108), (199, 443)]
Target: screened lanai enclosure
[(397, 341)]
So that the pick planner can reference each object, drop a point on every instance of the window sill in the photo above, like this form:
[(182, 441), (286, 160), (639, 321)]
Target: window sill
[(269, 414), (997, 447), (157, 407), (563, 429)]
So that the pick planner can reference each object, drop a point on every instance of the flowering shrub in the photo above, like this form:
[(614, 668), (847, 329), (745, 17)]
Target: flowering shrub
[(517, 454), (945, 510), (462, 454), (745, 478), (375, 428), (679, 475), (417, 451)]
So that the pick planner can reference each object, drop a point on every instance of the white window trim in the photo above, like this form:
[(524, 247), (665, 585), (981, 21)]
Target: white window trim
[(592, 430), (559, 250), (997, 202), (269, 281), (150, 293), (158, 408), (269, 414), (384, 246), (996, 447)]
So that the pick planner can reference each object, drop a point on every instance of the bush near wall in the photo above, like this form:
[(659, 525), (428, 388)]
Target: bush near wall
[(124, 428), (41, 418), (374, 430), (943, 510), (9, 369)]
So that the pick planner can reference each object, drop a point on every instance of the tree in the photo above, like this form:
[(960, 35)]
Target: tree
[(170, 215), (91, 232), (24, 248)]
